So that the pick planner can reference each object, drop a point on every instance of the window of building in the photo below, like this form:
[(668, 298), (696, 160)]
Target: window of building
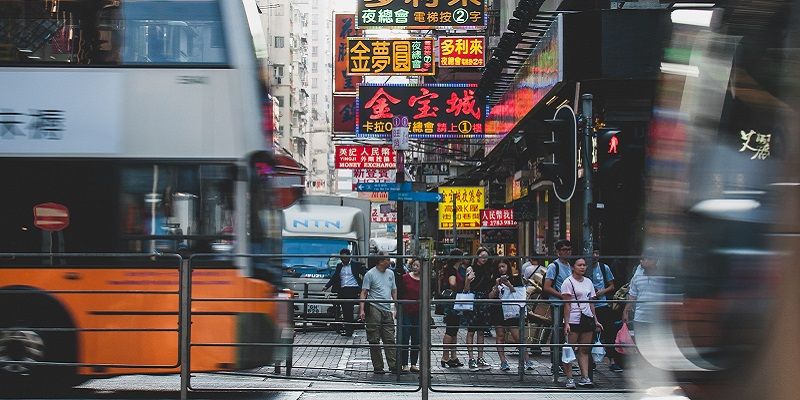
[(314, 51), (278, 42), (281, 101), (314, 67), (314, 83), (277, 70)]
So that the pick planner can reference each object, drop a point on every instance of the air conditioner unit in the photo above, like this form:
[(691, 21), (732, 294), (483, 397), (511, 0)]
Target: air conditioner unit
[(278, 80)]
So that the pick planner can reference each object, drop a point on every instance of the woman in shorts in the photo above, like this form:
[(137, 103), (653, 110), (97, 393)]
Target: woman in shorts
[(580, 319), (506, 316)]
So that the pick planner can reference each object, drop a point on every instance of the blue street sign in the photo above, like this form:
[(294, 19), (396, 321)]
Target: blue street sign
[(427, 197), (383, 187)]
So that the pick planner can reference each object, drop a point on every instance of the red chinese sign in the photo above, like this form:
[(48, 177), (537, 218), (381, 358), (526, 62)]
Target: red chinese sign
[(365, 157), (343, 27), (378, 216), (497, 218), (434, 110), (344, 113), (462, 51)]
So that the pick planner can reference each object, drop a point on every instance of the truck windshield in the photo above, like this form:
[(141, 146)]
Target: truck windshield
[(311, 267)]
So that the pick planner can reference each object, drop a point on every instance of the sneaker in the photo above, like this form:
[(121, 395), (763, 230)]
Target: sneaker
[(473, 365), (585, 381), (487, 334), (414, 369), (615, 368), (504, 366), (404, 368), (529, 365), (483, 365), (570, 384)]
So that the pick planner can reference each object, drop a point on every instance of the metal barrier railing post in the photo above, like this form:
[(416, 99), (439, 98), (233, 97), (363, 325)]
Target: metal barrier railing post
[(399, 335), (185, 325), (305, 307), (555, 338), (521, 336), (425, 334)]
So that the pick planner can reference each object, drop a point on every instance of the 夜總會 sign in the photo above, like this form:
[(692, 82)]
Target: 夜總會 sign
[(365, 157), (421, 14), (462, 51), (496, 218), (434, 111), (469, 203), (390, 56)]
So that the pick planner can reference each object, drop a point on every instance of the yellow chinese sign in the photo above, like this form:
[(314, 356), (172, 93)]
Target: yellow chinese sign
[(462, 51), (390, 56), (469, 201)]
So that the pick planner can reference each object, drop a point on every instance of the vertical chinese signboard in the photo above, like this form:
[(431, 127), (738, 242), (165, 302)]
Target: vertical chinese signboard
[(343, 27), (344, 113), (462, 51), (435, 111), (421, 14), (469, 203), (390, 57)]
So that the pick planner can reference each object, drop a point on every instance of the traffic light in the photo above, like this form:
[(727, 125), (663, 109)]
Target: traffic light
[(561, 153), (609, 155)]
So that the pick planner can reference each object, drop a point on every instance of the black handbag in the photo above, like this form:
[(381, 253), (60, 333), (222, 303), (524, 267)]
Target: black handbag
[(586, 323)]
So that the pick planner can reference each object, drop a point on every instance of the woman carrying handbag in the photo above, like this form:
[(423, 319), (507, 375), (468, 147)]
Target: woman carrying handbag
[(580, 320)]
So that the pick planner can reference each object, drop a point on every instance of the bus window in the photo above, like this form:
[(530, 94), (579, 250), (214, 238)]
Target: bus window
[(170, 208), (118, 32)]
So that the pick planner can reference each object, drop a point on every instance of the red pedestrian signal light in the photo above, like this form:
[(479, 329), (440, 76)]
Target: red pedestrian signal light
[(613, 143)]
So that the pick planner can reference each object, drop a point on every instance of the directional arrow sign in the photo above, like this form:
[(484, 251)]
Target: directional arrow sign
[(426, 197), (383, 187)]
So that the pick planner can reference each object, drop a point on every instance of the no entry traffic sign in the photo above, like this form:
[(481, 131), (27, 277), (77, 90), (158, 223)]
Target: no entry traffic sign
[(52, 217)]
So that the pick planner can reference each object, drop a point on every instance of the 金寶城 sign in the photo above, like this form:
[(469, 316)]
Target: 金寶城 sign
[(469, 203), (462, 51), (390, 56), (365, 157), (421, 14), (433, 110)]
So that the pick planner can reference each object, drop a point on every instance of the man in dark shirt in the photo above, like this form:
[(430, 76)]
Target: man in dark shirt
[(346, 283)]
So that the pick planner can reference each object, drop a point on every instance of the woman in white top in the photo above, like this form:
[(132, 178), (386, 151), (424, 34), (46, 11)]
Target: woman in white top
[(580, 319)]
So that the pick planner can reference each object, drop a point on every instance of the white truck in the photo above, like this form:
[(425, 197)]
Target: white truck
[(321, 225)]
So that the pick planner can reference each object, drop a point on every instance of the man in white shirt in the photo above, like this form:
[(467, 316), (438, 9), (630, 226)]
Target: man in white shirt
[(346, 283)]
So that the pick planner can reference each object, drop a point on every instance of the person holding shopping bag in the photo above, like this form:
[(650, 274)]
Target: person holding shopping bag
[(580, 320)]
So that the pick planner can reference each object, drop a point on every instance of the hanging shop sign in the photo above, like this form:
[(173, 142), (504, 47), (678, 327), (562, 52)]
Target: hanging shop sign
[(373, 176), (390, 56), (462, 51), (343, 27), (469, 201), (422, 14), (498, 218), (435, 111), (344, 113), (539, 75), (365, 157), (383, 216), (499, 236)]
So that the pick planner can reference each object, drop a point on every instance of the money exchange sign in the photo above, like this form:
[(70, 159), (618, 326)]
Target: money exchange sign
[(390, 56), (498, 218), (469, 203), (435, 111), (365, 157), (462, 51), (422, 14)]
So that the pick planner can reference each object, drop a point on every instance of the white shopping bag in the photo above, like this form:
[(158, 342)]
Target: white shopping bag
[(567, 354), (598, 351), (464, 301)]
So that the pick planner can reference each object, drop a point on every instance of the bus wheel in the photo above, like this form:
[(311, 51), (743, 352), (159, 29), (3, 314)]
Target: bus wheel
[(35, 328)]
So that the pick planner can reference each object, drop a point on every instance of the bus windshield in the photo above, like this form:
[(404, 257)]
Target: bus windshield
[(111, 32), (312, 267)]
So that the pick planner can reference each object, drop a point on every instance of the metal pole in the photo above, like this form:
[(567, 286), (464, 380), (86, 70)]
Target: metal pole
[(305, 307), (416, 229), (588, 131), (454, 220), (425, 334), (522, 349), (401, 177), (555, 338), (399, 336), (185, 326)]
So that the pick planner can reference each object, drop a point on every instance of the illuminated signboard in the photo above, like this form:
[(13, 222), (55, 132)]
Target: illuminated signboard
[(344, 113), (434, 110), (469, 203), (462, 51), (365, 157), (390, 56), (542, 71), (422, 14), (373, 176), (343, 27), (498, 219)]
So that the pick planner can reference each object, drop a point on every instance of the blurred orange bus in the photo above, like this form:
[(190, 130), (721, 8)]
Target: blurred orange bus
[(134, 127)]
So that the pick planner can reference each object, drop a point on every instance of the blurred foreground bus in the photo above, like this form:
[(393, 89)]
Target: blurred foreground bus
[(722, 202), (134, 127)]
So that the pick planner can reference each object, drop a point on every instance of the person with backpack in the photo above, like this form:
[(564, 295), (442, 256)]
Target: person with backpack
[(603, 281)]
